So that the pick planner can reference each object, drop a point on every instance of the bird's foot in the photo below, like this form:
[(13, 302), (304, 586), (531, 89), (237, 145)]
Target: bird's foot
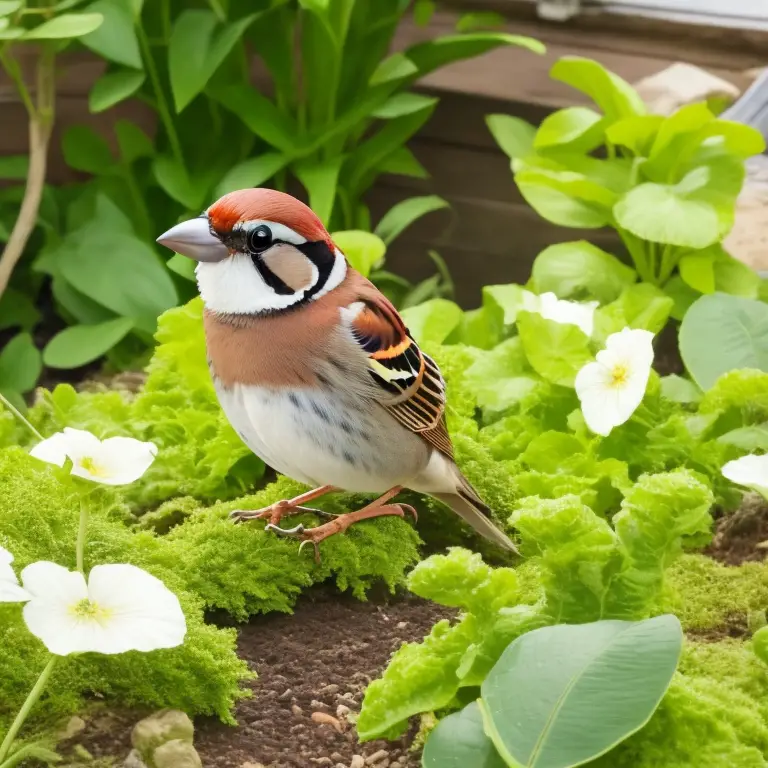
[(339, 524), (274, 513)]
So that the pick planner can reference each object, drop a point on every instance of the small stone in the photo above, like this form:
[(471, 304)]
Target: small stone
[(329, 689), (315, 704), (401, 624), (286, 694), (323, 718), (321, 760), (337, 756), (176, 754), (297, 710), (253, 765), (72, 728), (134, 760), (166, 725), (377, 757), (358, 761), (383, 763), (342, 711), (340, 765)]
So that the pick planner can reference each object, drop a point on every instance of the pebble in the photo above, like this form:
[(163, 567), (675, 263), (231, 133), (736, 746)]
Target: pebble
[(329, 689), (253, 765), (401, 624), (286, 694), (357, 761), (337, 756), (340, 765), (315, 704), (323, 718), (342, 711), (321, 760), (297, 710), (377, 757)]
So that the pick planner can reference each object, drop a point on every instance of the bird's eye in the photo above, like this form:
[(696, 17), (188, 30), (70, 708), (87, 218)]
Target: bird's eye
[(259, 238)]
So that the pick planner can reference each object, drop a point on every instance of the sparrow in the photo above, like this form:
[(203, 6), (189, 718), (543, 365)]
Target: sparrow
[(315, 369)]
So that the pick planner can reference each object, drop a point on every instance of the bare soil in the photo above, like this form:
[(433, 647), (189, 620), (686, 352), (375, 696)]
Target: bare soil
[(742, 536), (313, 667)]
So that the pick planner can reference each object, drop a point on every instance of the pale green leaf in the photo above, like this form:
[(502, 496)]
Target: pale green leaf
[(85, 150), (20, 364), (7, 7), (680, 390), (68, 25), (400, 216), (114, 87), (116, 38), (433, 321), (251, 173), (396, 67), (576, 128), (697, 270), (82, 344), (320, 179), (363, 250), (514, 135), (176, 182)]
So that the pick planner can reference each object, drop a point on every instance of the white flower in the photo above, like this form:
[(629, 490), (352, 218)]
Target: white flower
[(121, 608), (611, 388), (10, 591), (560, 311), (114, 461), (750, 471)]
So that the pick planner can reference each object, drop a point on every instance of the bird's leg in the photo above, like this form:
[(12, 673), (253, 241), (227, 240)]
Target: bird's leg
[(314, 536), (280, 509)]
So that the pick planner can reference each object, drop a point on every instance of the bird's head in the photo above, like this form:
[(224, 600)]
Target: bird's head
[(259, 252)]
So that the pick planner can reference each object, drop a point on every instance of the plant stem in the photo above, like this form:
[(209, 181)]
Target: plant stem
[(81, 534), (18, 414), (162, 102), (40, 117), (26, 707)]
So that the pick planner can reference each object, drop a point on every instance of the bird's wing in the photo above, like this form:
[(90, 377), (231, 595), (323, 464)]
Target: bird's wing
[(409, 381)]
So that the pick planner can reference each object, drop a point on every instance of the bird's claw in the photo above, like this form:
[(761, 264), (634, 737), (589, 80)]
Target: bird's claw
[(286, 532)]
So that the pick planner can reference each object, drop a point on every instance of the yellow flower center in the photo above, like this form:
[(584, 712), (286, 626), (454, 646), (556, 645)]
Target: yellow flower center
[(619, 375), (93, 468), (87, 609)]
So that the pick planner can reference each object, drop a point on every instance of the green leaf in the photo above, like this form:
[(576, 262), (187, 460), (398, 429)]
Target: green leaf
[(76, 304), (251, 173), (423, 11), (576, 128), (556, 351), (736, 138), (199, 44), (363, 250), (132, 141), (749, 439), (115, 40), (395, 67), (182, 266), (176, 182), (433, 321), (114, 87), (679, 390), (260, 115), (7, 7), (561, 696), (20, 364), (682, 296), (733, 276), (640, 305), (635, 133), (14, 167), (404, 163), (18, 310), (658, 213), (721, 333), (580, 270), (514, 135), (82, 344), (85, 150), (400, 216), (697, 270), (320, 179), (470, 21), (68, 25), (402, 104), (689, 119), (459, 741), (434, 54), (502, 303), (613, 95)]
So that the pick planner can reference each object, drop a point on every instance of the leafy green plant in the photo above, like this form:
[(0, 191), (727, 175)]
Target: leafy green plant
[(561, 696), (668, 186)]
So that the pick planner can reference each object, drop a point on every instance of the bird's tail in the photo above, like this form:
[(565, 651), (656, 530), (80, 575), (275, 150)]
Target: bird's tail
[(472, 509)]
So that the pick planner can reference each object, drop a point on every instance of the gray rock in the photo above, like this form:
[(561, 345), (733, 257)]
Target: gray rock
[(134, 760), (176, 754), (155, 730)]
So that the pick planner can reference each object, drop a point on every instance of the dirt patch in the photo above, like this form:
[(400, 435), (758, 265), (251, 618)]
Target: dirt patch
[(743, 536), (735, 626), (313, 667)]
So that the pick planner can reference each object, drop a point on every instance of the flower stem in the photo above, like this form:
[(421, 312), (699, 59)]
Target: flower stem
[(17, 413), (81, 533), (34, 695)]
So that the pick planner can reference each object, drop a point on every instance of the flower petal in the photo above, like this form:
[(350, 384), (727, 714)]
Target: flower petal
[(124, 460), (11, 592), (81, 444), (144, 613), (593, 389), (53, 450), (750, 471), (54, 582), (633, 345), (6, 558)]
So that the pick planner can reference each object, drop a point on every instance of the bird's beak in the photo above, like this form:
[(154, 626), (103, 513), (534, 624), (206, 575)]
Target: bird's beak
[(193, 239)]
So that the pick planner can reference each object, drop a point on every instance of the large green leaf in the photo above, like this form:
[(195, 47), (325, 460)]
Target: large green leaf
[(20, 364), (116, 38), (132, 141), (320, 179), (18, 310), (662, 214), (7, 7), (395, 67), (81, 344), (433, 321), (403, 214), (514, 135), (640, 305), (404, 163), (14, 167), (251, 173), (85, 150), (114, 87), (721, 333), (172, 176), (580, 269), (561, 696), (697, 269), (433, 54), (401, 104), (68, 25), (199, 44), (556, 351), (575, 128), (459, 741), (615, 97), (363, 250)]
